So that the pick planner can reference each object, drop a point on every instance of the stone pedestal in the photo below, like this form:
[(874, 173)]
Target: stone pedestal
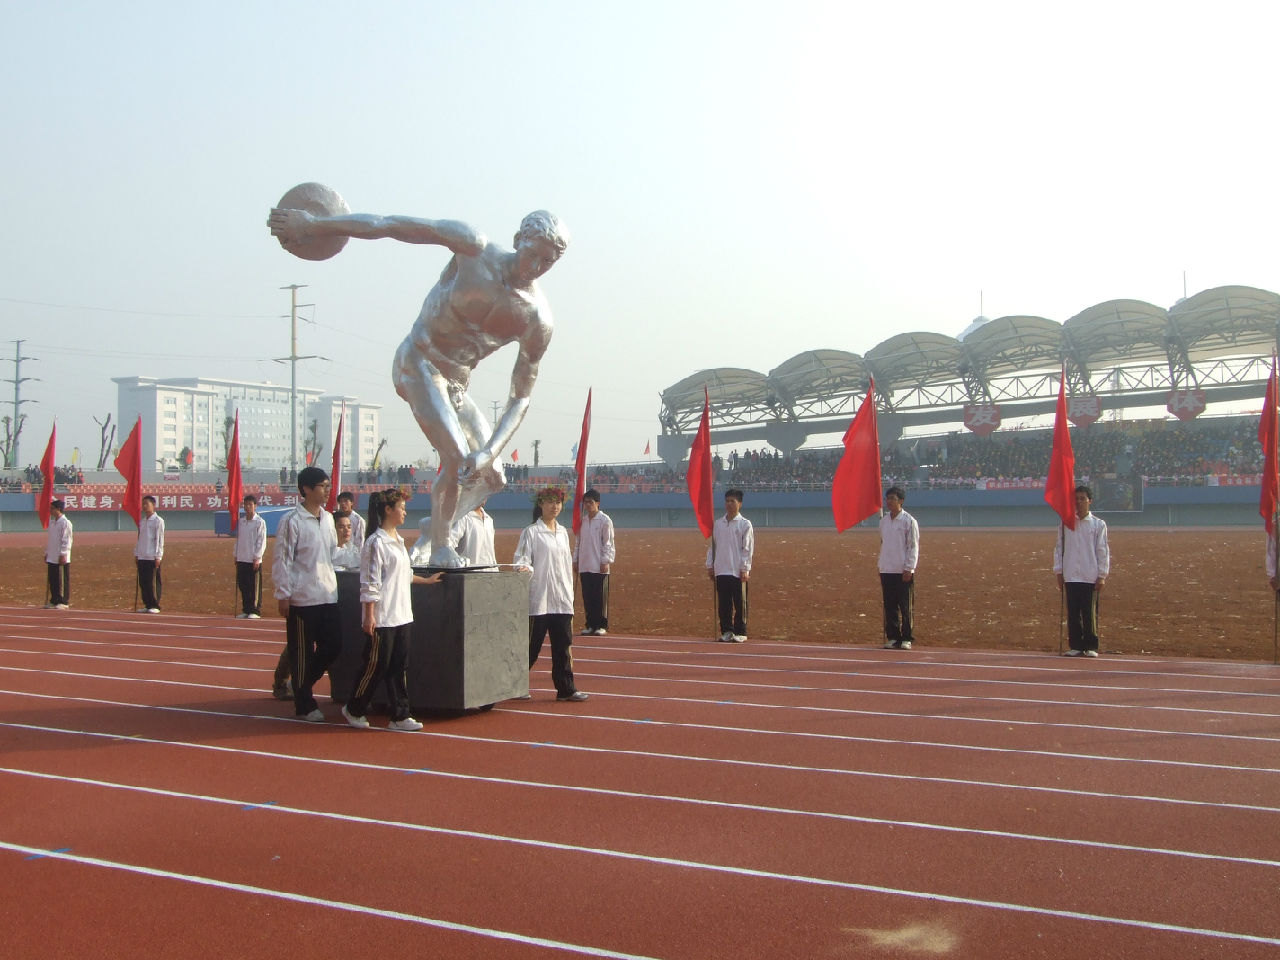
[(470, 646)]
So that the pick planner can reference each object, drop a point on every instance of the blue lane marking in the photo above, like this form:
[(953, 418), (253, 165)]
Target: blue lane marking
[(255, 806), (42, 856)]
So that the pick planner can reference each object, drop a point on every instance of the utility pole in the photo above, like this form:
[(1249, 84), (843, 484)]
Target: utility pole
[(536, 444), (15, 427), (495, 414), (293, 359)]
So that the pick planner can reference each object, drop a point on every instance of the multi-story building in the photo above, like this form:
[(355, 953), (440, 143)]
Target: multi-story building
[(196, 414)]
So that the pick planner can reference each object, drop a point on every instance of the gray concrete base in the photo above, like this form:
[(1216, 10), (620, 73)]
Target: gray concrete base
[(470, 646)]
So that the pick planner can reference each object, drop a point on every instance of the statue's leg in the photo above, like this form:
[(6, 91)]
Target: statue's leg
[(477, 489), (427, 393)]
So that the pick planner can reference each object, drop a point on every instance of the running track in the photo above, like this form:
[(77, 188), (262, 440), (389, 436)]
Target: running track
[(709, 801)]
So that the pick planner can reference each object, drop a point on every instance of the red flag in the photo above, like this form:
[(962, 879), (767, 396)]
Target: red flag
[(46, 468), (646, 448), (581, 467), (191, 457), (698, 479), (235, 486), (1060, 486), (129, 463), (1269, 437), (515, 455), (855, 491), (335, 471)]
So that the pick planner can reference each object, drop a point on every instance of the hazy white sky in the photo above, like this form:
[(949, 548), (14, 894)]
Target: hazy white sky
[(743, 181)]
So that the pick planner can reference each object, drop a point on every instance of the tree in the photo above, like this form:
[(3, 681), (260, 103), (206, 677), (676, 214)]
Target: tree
[(10, 440), (105, 441), (314, 445), (184, 459), (378, 453), (228, 423)]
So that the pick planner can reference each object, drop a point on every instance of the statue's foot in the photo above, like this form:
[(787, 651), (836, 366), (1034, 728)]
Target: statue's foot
[(446, 556)]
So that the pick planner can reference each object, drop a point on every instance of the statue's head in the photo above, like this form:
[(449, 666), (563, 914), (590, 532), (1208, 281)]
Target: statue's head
[(546, 225)]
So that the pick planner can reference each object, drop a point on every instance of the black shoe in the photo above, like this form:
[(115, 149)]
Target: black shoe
[(576, 697)]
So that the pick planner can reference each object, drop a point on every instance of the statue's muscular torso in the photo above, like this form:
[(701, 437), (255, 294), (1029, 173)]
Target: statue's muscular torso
[(472, 312)]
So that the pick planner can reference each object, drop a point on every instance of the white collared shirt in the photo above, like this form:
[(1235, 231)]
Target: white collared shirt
[(150, 538), (59, 542), (302, 565), (1088, 556), (251, 539), (547, 552), (386, 578), (471, 536), (899, 543), (347, 556), (595, 547), (733, 543)]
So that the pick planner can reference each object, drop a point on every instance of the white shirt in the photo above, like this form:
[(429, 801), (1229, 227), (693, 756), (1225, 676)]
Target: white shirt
[(733, 542), (386, 578), (899, 543), (594, 548), (59, 542), (472, 537), (302, 567), (347, 556), (251, 539), (150, 538), (1088, 557), (547, 552), (357, 529)]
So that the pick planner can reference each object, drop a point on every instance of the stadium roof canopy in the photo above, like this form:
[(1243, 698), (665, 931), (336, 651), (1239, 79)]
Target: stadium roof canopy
[(922, 369)]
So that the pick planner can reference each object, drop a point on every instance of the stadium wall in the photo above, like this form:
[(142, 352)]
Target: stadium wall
[(1162, 507)]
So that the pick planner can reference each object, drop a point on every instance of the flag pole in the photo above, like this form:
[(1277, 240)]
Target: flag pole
[(1275, 613), (1062, 588)]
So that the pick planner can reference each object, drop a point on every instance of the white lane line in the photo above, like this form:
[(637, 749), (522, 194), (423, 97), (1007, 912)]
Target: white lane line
[(572, 788), (345, 906), (922, 678), (923, 695), (929, 744), (688, 801), (998, 905)]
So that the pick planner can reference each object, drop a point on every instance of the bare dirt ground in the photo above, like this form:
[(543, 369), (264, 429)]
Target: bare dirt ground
[(1199, 593)]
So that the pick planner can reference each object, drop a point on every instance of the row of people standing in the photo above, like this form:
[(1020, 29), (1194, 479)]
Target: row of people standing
[(148, 553)]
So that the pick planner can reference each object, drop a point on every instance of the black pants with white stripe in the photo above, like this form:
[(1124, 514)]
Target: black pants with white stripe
[(315, 641), (386, 655), (731, 601)]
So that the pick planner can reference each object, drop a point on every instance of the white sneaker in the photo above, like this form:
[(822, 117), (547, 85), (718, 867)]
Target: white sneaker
[(1091, 653), (153, 609), (601, 632), (1073, 653), (586, 632), (891, 644), (739, 638), (408, 723), (67, 606), (315, 716), (726, 637), (904, 645), (254, 616), (361, 722)]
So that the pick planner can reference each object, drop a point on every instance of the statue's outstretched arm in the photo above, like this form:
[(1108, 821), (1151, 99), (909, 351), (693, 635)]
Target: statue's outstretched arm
[(523, 377), (300, 227)]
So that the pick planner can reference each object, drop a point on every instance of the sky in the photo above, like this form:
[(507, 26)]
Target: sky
[(743, 181)]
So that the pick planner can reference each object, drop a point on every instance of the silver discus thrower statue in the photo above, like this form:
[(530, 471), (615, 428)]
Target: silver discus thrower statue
[(486, 297)]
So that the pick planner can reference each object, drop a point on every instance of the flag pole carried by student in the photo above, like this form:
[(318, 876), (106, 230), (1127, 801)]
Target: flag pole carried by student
[(580, 464), (698, 482), (1060, 486), (1269, 438), (335, 469), (855, 490)]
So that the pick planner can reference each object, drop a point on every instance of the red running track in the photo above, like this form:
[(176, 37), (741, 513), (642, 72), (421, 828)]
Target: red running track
[(709, 801)]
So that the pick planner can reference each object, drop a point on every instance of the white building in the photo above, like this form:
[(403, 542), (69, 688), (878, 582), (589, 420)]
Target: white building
[(196, 413)]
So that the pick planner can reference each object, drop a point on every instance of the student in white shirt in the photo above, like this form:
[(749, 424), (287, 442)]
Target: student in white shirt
[(148, 554), (471, 536), (306, 591), (544, 550), (386, 613), (733, 544), (899, 553), (347, 555), (593, 555), (1082, 562), (251, 544), (347, 505), (57, 555)]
